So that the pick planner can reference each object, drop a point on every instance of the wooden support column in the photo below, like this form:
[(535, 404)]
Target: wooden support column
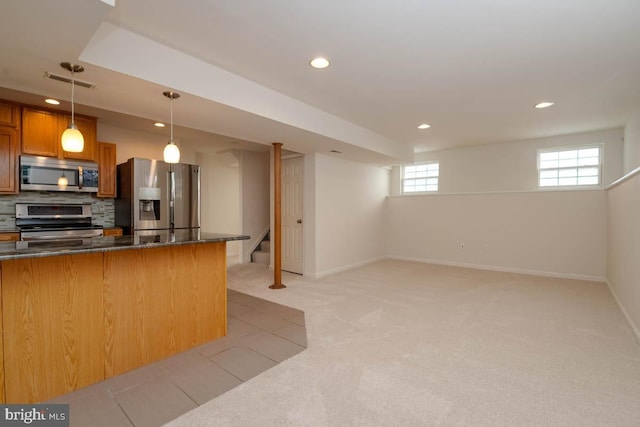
[(277, 217)]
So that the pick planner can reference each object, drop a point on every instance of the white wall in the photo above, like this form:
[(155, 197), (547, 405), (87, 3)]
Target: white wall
[(488, 201), (559, 233), (309, 230), (220, 198), (254, 198), (623, 266), (349, 204), (632, 143), (512, 166)]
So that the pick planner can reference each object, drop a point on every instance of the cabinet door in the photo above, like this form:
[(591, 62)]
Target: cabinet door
[(7, 236), (86, 126), (8, 157), (9, 114), (40, 132), (2, 391), (53, 322), (112, 232), (106, 169)]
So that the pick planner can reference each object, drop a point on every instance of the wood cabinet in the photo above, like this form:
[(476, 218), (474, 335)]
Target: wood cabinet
[(9, 142), (3, 398), (9, 114), (42, 130), (68, 321), (112, 232), (9, 146), (161, 301), (52, 322), (9, 236), (106, 169)]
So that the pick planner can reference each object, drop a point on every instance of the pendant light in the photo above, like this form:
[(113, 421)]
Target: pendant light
[(72, 139), (171, 150)]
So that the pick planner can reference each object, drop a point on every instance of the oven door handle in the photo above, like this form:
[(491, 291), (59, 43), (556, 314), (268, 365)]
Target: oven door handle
[(54, 237)]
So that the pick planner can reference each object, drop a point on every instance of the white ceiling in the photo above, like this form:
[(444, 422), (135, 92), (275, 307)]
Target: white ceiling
[(472, 69)]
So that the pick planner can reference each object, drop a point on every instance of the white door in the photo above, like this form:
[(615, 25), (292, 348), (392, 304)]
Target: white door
[(291, 177)]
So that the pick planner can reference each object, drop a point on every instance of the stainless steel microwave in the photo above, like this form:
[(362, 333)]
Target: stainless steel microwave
[(49, 174)]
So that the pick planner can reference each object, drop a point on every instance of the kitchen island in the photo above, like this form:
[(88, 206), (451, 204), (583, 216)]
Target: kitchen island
[(78, 312)]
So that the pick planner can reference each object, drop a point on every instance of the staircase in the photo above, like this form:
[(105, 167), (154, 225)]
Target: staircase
[(262, 254)]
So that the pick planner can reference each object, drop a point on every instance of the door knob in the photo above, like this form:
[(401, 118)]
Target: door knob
[(299, 221)]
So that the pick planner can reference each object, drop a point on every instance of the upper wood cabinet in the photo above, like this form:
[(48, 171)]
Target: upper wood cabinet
[(42, 130), (9, 114), (9, 142), (106, 169)]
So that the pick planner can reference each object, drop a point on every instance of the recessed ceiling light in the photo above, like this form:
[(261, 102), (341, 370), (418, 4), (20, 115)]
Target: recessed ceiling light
[(424, 126), (319, 62), (52, 101), (159, 124), (544, 104)]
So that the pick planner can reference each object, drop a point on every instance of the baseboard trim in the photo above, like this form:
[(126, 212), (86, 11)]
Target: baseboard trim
[(634, 329), (345, 267), (503, 269), (233, 258)]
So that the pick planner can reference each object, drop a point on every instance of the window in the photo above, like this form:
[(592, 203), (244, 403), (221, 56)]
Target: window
[(569, 167), (420, 178)]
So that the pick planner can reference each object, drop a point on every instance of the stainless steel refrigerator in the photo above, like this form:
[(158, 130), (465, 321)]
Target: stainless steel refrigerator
[(155, 197)]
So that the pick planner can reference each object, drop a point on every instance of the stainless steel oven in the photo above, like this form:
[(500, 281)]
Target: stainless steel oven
[(48, 222)]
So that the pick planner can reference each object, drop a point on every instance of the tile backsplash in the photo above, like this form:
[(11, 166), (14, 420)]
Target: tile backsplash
[(103, 209)]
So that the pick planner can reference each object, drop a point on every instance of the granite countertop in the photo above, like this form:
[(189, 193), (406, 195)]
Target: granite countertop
[(150, 239)]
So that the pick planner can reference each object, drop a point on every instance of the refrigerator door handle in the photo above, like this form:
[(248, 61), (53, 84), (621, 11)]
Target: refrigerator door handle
[(195, 197), (172, 198)]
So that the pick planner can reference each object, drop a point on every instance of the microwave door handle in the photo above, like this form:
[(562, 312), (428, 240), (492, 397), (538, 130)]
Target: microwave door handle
[(80, 178)]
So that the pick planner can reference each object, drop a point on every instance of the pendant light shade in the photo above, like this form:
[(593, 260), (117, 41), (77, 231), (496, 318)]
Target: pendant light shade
[(171, 152), (72, 139)]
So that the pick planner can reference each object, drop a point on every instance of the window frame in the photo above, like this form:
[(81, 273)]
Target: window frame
[(403, 178), (576, 186)]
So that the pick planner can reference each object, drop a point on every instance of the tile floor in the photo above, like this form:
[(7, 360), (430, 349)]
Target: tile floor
[(260, 335)]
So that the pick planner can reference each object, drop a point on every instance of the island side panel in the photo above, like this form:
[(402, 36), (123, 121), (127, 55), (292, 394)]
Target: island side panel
[(52, 321), (2, 394), (161, 301)]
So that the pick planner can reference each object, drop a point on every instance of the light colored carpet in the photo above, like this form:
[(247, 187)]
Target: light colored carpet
[(406, 344)]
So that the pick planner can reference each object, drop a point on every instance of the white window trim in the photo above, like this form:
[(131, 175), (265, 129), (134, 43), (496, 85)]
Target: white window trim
[(572, 187), (402, 179)]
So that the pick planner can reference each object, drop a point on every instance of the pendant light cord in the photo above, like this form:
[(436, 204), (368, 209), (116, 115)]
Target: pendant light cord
[(72, 93), (171, 109)]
